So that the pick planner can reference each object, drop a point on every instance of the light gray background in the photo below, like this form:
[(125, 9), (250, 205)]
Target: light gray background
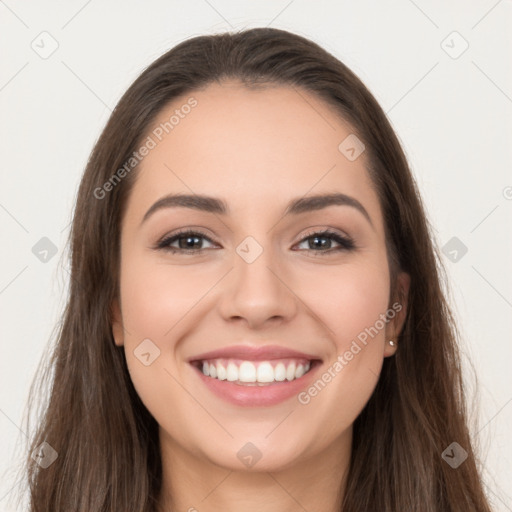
[(453, 116)]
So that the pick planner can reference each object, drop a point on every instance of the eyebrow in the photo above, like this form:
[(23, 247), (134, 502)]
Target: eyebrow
[(218, 206)]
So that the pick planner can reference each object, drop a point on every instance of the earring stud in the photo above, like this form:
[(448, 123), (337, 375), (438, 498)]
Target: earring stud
[(392, 343)]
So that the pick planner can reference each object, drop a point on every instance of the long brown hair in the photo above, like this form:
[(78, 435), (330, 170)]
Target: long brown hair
[(106, 440)]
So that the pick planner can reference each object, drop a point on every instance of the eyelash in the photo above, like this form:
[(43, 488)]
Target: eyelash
[(346, 243)]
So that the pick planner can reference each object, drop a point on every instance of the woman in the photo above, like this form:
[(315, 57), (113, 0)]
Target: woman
[(256, 318)]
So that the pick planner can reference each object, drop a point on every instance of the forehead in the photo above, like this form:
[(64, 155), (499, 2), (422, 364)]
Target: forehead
[(253, 148)]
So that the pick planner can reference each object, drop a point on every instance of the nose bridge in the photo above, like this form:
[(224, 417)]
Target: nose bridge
[(253, 263)]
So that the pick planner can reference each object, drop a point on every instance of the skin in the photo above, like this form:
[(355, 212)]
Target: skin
[(256, 150)]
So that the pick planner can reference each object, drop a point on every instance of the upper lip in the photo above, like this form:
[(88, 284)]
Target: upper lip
[(253, 353)]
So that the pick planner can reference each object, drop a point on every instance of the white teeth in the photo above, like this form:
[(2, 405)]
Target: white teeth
[(255, 372), (280, 372), (221, 372), (247, 372), (232, 372), (265, 372), (290, 371)]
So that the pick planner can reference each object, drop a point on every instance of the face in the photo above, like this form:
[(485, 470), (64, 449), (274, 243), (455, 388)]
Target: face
[(256, 293)]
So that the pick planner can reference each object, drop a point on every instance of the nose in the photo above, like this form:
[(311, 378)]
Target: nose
[(257, 293)]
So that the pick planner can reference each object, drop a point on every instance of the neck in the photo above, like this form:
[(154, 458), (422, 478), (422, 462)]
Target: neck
[(194, 484)]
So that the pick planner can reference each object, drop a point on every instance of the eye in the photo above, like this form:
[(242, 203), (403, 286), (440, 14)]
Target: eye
[(188, 242), (345, 243)]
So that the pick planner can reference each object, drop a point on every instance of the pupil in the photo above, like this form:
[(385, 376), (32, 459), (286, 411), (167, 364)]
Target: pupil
[(186, 240), (323, 243)]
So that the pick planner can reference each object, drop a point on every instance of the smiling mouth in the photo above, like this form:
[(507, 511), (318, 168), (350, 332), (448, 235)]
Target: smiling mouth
[(255, 373)]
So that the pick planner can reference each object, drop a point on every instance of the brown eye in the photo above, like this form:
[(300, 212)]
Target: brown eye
[(188, 242), (318, 240)]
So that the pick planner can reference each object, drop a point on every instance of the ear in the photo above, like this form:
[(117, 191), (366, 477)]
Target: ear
[(395, 324), (117, 323)]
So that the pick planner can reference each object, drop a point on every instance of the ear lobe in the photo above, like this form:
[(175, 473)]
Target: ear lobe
[(117, 323)]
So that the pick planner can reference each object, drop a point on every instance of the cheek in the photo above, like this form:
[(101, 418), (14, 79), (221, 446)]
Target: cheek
[(157, 296), (160, 303), (350, 302), (155, 299), (349, 298)]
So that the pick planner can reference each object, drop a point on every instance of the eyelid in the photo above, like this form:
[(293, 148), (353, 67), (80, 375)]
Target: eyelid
[(162, 242), (322, 230)]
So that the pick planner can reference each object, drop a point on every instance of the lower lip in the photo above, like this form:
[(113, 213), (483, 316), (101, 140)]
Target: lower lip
[(258, 396)]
